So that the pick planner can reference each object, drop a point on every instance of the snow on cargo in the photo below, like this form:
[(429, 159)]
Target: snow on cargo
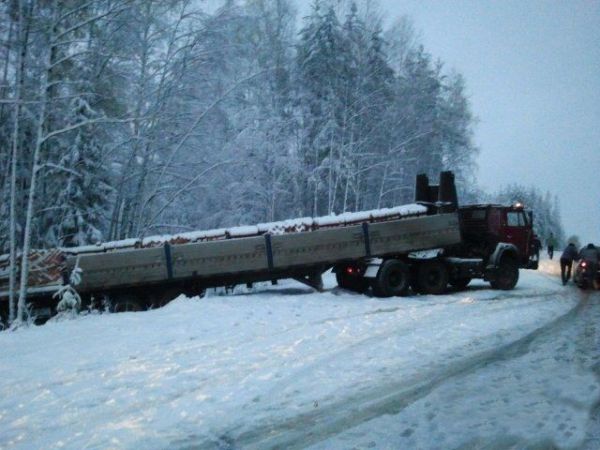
[(242, 231), (287, 226), (184, 238), (103, 246), (281, 227)]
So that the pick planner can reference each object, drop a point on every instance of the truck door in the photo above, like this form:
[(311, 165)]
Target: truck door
[(517, 231)]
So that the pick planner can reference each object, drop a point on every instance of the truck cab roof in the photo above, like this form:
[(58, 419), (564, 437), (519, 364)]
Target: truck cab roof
[(493, 206)]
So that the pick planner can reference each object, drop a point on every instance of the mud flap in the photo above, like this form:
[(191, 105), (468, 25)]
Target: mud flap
[(313, 280)]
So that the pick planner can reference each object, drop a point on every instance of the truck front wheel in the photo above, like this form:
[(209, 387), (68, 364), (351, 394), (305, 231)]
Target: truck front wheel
[(393, 279), (432, 277), (507, 274)]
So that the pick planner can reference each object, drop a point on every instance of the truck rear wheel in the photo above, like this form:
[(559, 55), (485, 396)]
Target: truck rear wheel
[(459, 283), (393, 279), (432, 277), (507, 274)]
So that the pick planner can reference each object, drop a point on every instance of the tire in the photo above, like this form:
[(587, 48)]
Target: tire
[(3, 319), (351, 283), (579, 281), (432, 277), (460, 283), (507, 274), (393, 279), (585, 283)]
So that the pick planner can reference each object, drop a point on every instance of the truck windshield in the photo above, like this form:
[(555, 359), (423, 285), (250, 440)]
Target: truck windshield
[(516, 219)]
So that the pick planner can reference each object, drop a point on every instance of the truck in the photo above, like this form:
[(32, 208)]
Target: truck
[(426, 247)]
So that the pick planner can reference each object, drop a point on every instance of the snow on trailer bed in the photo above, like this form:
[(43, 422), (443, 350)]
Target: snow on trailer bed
[(283, 367), (298, 225), (47, 265)]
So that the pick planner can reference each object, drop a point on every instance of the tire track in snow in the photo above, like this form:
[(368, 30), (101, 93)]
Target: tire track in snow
[(355, 346), (315, 426), (427, 302), (591, 337)]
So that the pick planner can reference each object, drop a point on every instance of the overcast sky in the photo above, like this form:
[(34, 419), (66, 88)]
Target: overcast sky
[(532, 69)]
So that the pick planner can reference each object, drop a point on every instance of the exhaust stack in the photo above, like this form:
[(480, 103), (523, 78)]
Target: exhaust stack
[(440, 198)]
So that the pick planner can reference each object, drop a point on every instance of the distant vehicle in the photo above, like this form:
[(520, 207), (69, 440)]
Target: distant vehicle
[(584, 278), (426, 247)]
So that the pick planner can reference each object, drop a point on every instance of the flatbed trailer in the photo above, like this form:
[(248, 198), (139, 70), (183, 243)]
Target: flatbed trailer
[(264, 257), (373, 249)]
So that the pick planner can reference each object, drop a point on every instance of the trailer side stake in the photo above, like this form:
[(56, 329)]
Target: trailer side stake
[(365, 227), (269, 251), (168, 261)]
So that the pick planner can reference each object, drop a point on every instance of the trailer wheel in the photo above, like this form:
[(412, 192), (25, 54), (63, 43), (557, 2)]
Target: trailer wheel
[(432, 277), (126, 305), (351, 283), (507, 274), (459, 283), (3, 319), (393, 279)]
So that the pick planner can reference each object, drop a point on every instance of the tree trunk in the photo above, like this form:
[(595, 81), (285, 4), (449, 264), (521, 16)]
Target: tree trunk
[(29, 213), (21, 306), (13, 173)]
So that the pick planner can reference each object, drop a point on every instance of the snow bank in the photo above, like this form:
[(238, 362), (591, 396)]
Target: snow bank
[(283, 367)]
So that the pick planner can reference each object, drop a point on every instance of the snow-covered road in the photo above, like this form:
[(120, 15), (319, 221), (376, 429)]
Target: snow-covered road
[(283, 367)]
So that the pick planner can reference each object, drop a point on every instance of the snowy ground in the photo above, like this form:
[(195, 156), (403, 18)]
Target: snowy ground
[(284, 367)]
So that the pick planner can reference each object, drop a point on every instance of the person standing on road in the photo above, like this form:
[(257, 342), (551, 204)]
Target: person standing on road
[(551, 243), (590, 254), (569, 254)]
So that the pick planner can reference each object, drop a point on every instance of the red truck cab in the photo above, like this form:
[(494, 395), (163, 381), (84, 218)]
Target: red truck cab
[(485, 226)]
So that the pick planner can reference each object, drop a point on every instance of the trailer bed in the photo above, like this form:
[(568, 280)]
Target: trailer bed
[(241, 254), (263, 254)]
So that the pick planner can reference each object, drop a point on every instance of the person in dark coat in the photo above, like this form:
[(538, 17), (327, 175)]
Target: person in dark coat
[(569, 255), (551, 243)]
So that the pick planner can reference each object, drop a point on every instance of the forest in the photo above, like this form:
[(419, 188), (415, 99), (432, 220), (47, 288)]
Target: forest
[(128, 118)]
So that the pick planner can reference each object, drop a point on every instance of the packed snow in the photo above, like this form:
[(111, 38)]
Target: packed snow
[(285, 367)]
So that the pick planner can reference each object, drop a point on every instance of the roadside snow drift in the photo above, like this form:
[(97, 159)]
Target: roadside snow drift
[(284, 367)]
